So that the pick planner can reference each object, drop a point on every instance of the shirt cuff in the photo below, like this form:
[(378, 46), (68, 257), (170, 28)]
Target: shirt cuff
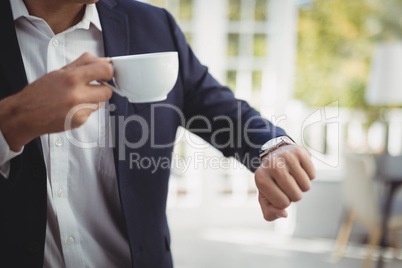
[(5, 156)]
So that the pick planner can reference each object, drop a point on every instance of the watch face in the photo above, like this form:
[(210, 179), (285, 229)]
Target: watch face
[(266, 146), (271, 143)]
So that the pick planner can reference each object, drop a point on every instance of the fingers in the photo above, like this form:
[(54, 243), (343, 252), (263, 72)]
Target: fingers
[(270, 212), (79, 114), (288, 184), (303, 180), (79, 75), (308, 166), (95, 71), (88, 68), (85, 59), (282, 178), (269, 188), (61, 97), (298, 165), (96, 93)]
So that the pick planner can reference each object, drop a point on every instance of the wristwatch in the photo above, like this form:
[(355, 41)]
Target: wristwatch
[(274, 144)]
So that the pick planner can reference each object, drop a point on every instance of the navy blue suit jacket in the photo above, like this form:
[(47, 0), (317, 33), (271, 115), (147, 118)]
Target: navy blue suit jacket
[(129, 27)]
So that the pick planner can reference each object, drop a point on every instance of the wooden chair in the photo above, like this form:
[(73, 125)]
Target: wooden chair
[(363, 206)]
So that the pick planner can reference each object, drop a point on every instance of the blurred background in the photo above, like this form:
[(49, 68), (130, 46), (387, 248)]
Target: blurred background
[(329, 72)]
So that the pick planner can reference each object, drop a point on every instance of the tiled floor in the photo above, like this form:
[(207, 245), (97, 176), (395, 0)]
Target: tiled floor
[(253, 248)]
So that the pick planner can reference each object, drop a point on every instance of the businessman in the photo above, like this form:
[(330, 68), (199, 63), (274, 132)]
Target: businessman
[(63, 205)]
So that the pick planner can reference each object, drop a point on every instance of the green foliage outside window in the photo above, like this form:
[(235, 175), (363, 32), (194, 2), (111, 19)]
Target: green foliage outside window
[(233, 45), (189, 38), (335, 46), (257, 80), (159, 3), (260, 10), (186, 9), (234, 10), (334, 50), (231, 76), (260, 45)]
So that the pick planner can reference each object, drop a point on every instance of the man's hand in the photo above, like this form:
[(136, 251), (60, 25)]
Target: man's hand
[(42, 106), (282, 177)]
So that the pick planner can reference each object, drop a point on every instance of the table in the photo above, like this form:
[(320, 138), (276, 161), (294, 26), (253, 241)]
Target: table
[(390, 173)]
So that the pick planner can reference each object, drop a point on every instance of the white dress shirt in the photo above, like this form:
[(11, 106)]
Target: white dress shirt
[(85, 224)]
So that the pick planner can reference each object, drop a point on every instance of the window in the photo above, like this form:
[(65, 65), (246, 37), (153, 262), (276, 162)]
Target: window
[(233, 45), (234, 10), (231, 76), (260, 45), (261, 10)]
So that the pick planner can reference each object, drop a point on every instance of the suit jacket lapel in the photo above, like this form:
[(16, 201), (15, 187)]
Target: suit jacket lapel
[(116, 42), (11, 65), (114, 27)]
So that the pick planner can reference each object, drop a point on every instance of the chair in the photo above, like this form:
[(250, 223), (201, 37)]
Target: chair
[(362, 205)]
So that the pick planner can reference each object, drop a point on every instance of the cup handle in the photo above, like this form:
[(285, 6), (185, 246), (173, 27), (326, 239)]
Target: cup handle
[(115, 89)]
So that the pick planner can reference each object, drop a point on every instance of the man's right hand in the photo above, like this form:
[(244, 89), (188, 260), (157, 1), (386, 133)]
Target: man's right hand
[(42, 106)]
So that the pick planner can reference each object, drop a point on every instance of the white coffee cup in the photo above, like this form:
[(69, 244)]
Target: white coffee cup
[(145, 77)]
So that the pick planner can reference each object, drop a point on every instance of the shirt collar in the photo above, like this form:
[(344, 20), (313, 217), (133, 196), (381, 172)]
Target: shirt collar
[(91, 14), (19, 9)]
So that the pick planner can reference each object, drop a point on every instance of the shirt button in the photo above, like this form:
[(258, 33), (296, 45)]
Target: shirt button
[(58, 142), (70, 240), (59, 192), (55, 42)]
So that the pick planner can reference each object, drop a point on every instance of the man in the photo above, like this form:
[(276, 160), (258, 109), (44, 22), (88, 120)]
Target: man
[(63, 205)]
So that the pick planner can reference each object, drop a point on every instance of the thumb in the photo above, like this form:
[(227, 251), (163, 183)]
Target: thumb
[(85, 59), (270, 212)]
